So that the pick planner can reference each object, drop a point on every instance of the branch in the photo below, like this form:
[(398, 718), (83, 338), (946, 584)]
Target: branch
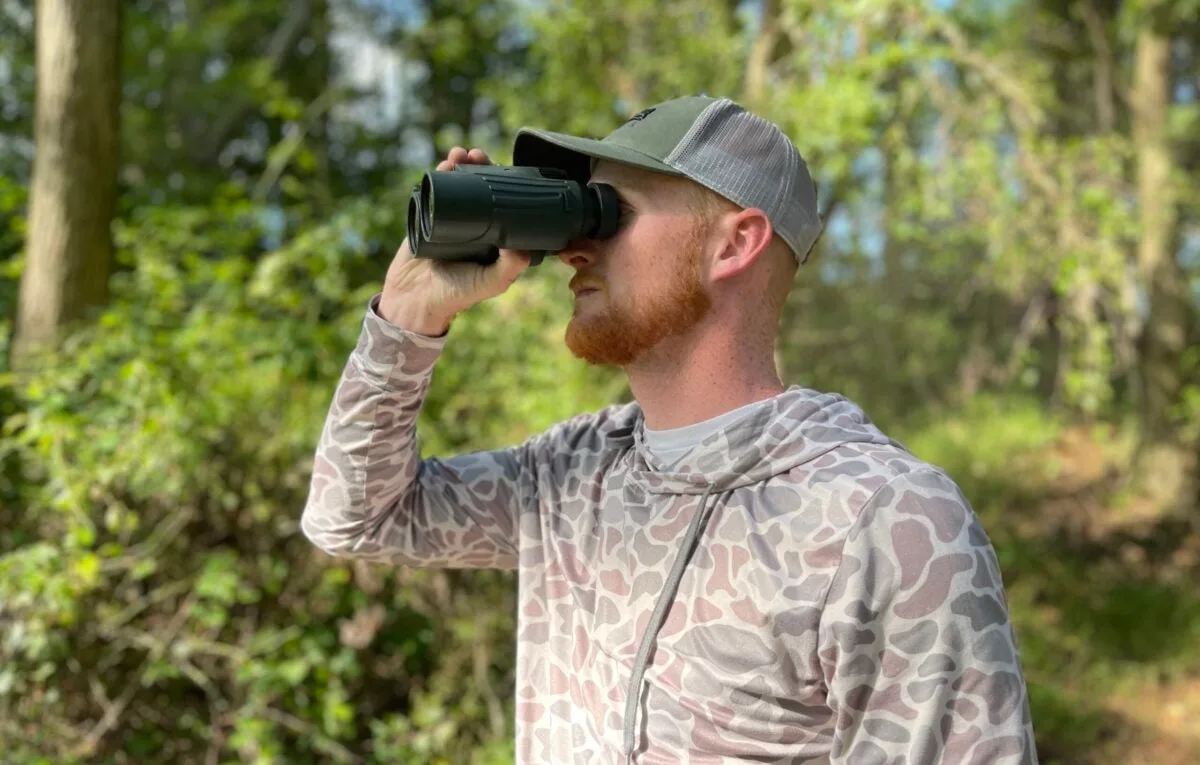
[(112, 714), (1102, 66), (1027, 113), (282, 156), (1024, 113), (760, 52), (153, 545), (1031, 322), (154, 597), (212, 756), (304, 728), (832, 202), (285, 38)]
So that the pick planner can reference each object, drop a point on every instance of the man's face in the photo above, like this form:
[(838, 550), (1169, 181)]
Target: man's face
[(644, 284)]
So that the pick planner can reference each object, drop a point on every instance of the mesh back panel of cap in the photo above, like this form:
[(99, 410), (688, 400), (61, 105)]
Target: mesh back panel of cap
[(749, 161)]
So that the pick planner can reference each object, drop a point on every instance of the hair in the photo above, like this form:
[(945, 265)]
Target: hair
[(707, 204)]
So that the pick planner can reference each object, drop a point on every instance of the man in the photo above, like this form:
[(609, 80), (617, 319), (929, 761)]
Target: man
[(726, 571)]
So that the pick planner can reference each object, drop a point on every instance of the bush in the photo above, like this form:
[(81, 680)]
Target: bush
[(158, 598)]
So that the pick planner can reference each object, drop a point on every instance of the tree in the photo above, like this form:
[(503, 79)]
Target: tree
[(1165, 333), (1164, 339), (69, 250)]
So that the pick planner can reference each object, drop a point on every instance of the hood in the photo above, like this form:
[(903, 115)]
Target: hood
[(797, 427)]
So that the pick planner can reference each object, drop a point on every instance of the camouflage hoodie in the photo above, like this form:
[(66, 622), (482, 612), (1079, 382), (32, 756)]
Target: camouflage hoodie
[(799, 588)]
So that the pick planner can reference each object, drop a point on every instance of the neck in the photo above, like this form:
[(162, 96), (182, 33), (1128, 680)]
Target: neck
[(687, 380)]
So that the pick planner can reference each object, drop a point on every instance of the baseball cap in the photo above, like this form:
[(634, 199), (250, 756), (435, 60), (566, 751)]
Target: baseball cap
[(712, 141)]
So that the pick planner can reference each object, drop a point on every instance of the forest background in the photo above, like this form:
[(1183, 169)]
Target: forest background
[(198, 197)]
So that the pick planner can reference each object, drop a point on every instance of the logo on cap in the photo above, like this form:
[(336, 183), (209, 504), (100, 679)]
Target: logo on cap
[(643, 114)]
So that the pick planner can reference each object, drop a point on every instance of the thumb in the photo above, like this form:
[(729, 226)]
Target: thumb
[(510, 265)]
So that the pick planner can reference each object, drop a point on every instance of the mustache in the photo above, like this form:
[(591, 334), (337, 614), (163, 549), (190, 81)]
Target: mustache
[(584, 283)]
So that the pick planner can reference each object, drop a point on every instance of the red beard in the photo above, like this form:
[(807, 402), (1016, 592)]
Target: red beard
[(619, 334)]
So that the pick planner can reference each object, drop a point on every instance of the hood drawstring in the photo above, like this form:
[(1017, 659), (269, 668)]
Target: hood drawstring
[(658, 617)]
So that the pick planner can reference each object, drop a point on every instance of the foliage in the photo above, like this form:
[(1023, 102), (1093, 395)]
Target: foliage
[(975, 291), (1081, 606), (165, 458)]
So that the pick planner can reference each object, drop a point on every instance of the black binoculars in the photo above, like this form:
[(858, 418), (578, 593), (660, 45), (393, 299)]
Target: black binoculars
[(470, 213)]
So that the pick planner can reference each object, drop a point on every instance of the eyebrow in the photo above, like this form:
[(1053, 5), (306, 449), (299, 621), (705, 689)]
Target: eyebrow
[(624, 192), (627, 191)]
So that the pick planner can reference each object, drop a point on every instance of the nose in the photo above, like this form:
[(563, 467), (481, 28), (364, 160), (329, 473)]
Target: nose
[(578, 253)]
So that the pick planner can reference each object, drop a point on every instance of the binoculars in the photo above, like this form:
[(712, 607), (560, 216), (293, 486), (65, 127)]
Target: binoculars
[(470, 213)]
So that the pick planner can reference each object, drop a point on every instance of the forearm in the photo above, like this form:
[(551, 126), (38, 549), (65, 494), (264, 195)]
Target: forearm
[(368, 460), (374, 497)]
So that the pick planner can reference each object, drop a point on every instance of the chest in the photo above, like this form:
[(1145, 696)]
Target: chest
[(736, 659), (747, 606)]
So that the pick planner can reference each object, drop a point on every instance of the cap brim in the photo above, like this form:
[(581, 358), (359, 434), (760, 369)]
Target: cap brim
[(574, 155)]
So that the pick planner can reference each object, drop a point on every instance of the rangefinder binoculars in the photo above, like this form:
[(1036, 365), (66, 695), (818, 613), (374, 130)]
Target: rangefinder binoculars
[(470, 213)]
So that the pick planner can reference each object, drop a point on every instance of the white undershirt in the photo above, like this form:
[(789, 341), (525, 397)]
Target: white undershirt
[(671, 445)]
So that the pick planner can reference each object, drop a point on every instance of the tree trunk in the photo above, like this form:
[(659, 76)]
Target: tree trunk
[(754, 87), (1164, 336), (324, 75), (1103, 65), (1165, 468), (69, 250)]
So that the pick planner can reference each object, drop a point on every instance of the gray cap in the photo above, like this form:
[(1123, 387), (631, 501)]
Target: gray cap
[(712, 141)]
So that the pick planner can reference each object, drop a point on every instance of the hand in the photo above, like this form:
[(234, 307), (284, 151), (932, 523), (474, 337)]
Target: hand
[(423, 295)]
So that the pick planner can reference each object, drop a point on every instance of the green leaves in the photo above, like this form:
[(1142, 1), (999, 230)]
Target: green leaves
[(981, 226), (167, 453), (218, 580), (591, 65)]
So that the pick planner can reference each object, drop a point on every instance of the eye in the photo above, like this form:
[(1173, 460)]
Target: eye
[(627, 211)]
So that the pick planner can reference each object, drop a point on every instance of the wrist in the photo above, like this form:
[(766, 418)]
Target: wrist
[(412, 316)]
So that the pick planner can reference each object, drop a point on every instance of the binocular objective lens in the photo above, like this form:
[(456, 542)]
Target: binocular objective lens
[(426, 206)]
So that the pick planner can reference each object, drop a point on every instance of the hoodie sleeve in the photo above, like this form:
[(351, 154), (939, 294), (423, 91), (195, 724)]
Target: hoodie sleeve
[(372, 496), (916, 646)]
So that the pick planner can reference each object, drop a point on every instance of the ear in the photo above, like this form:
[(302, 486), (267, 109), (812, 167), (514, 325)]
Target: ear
[(743, 238)]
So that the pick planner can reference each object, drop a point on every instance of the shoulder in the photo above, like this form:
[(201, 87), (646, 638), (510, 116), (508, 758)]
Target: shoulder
[(883, 479), (893, 517), (604, 430), (916, 547), (916, 551), (916, 498), (864, 483)]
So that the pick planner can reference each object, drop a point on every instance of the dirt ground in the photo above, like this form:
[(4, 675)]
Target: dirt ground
[(1158, 725), (1092, 504)]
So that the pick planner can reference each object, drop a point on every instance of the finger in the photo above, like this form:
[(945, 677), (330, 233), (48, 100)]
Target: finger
[(478, 156), (511, 264), (404, 251), (454, 158)]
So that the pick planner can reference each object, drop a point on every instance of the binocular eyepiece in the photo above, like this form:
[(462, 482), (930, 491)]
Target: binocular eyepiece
[(471, 212)]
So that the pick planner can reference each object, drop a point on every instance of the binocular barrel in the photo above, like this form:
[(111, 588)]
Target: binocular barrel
[(471, 212)]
